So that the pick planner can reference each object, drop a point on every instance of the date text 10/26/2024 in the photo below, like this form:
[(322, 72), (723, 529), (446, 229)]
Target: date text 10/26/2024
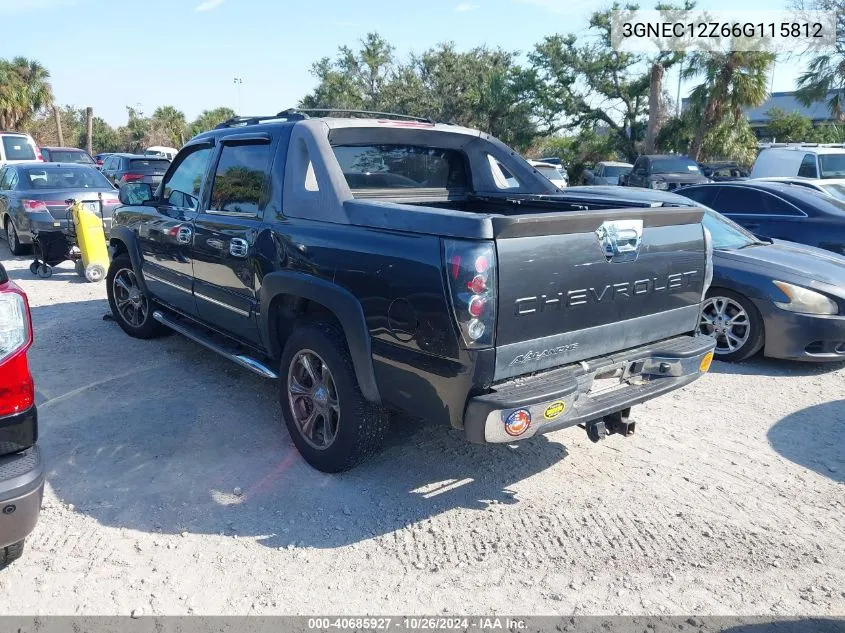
[(418, 624)]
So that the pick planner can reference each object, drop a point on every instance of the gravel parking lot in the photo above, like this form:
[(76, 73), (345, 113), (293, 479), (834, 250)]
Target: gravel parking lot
[(173, 488)]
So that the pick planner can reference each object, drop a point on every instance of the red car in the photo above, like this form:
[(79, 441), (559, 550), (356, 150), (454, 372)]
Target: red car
[(21, 467)]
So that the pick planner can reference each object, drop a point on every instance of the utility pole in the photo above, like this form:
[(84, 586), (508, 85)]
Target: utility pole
[(238, 83), (59, 132), (89, 130)]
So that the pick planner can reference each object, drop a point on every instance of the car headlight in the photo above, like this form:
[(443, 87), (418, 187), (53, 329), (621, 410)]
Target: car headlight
[(659, 184), (804, 300)]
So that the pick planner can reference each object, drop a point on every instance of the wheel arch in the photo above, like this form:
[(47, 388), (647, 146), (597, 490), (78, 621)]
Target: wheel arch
[(286, 296), (123, 240)]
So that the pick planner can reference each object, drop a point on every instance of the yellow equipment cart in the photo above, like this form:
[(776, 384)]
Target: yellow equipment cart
[(87, 219)]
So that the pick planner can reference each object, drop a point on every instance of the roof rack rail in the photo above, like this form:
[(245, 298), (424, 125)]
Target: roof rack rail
[(394, 115), (284, 115)]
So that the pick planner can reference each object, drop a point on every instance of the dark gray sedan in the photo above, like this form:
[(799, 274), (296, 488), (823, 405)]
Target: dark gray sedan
[(783, 298), (33, 196)]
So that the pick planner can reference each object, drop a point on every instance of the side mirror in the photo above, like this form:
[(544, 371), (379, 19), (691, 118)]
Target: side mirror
[(135, 193)]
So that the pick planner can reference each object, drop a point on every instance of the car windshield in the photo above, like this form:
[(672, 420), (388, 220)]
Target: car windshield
[(837, 191), (69, 156), (615, 171), (727, 236), (832, 165), (673, 165), (401, 167), (63, 178), (18, 147)]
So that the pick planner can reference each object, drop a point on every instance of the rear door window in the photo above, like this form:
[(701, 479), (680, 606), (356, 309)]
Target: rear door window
[(777, 206), (808, 167), (401, 167), (18, 147), (240, 178)]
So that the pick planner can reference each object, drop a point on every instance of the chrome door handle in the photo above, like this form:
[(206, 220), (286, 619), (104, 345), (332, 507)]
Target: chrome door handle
[(183, 235), (238, 247)]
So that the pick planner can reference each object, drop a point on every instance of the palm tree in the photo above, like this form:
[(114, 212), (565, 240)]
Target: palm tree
[(172, 123), (24, 90), (732, 81)]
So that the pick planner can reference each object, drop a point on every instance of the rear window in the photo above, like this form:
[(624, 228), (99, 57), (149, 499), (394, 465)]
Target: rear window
[(65, 178), (832, 165), (149, 163), (67, 156), (551, 173), (18, 148), (401, 167)]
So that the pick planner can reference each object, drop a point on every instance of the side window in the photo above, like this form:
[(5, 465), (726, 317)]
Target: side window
[(704, 195), (778, 206), (600, 171), (639, 166), (739, 200), (501, 176), (239, 179), (808, 167), (5, 178), (13, 178), (182, 189)]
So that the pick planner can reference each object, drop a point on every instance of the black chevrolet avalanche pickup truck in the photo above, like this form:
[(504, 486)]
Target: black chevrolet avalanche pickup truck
[(390, 264)]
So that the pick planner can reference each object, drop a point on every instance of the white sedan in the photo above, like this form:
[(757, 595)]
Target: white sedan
[(834, 187), (555, 173)]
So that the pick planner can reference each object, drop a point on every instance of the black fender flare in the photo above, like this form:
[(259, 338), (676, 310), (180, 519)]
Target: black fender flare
[(129, 239), (340, 302)]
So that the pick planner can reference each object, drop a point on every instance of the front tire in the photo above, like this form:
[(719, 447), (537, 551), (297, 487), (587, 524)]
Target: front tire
[(10, 554), (131, 308), (734, 321), (330, 422)]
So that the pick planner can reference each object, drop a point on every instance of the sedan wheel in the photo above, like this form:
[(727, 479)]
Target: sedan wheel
[(12, 238), (735, 324)]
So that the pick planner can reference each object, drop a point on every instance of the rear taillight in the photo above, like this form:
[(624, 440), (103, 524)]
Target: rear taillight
[(110, 200), (471, 276), (17, 392), (131, 177), (34, 206)]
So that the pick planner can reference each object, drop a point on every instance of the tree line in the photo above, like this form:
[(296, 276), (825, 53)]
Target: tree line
[(571, 95)]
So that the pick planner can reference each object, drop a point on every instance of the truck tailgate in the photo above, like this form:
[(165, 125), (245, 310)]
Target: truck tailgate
[(578, 285)]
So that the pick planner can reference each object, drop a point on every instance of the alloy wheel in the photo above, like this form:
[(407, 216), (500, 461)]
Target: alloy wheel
[(131, 303), (727, 321), (313, 399)]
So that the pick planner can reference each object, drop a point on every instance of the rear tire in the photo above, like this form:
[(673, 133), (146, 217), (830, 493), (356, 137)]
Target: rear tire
[(356, 427), (131, 308), (10, 554), (13, 240)]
